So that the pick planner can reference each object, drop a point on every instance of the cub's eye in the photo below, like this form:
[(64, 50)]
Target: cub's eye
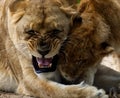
[(56, 31), (31, 32)]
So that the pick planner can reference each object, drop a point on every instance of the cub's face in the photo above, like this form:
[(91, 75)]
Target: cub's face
[(85, 46), (38, 28)]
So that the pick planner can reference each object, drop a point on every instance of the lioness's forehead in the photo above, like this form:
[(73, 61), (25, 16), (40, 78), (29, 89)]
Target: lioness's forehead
[(47, 14)]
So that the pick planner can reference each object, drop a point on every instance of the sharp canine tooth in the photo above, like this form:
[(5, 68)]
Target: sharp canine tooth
[(50, 64)]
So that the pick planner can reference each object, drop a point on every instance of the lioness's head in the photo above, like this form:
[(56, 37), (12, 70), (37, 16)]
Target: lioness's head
[(38, 28)]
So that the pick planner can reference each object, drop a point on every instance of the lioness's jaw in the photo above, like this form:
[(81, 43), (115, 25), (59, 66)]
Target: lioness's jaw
[(46, 65)]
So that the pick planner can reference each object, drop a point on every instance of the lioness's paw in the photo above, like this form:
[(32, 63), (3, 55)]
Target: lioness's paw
[(93, 92), (85, 91), (100, 94)]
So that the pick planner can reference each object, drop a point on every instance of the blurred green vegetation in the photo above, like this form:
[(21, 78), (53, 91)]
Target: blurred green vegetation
[(78, 1)]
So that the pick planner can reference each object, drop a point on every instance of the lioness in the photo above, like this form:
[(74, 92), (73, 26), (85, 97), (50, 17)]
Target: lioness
[(95, 34), (31, 35)]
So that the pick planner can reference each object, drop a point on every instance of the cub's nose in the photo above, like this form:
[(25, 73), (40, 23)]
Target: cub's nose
[(44, 48)]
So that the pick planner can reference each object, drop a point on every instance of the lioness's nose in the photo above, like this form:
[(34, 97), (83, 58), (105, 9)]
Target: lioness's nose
[(43, 48)]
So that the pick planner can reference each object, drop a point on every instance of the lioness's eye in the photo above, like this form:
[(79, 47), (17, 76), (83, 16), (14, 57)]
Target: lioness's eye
[(31, 32), (56, 31)]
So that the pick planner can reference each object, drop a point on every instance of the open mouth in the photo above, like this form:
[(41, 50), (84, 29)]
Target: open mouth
[(44, 64)]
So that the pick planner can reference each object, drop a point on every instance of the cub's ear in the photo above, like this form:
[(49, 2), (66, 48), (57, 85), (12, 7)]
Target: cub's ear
[(106, 48), (17, 9)]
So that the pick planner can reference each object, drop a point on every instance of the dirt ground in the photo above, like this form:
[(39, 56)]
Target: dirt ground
[(112, 61), (12, 95)]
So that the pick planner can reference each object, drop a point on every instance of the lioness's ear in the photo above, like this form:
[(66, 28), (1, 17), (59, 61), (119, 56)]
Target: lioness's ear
[(17, 10), (73, 13), (18, 5), (70, 11), (106, 48)]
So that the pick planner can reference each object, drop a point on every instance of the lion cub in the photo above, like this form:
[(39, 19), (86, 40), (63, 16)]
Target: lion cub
[(95, 33)]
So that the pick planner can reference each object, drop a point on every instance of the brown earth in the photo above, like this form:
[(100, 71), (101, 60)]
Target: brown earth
[(12, 95)]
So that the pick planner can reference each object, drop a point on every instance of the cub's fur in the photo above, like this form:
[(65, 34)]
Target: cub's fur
[(31, 35), (95, 34)]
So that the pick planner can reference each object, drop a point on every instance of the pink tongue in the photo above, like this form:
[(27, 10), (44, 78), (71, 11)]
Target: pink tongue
[(44, 62)]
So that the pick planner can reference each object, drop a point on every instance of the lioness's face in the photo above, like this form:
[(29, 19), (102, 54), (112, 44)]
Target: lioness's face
[(38, 28)]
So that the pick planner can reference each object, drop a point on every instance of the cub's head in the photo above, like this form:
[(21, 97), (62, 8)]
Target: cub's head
[(38, 29), (86, 44)]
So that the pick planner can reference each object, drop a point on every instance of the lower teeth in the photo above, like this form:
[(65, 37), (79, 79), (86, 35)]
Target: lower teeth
[(45, 66)]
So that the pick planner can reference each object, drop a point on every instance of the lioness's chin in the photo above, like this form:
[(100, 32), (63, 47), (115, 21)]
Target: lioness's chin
[(44, 64)]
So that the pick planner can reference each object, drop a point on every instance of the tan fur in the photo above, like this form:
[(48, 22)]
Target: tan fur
[(18, 44), (95, 34)]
